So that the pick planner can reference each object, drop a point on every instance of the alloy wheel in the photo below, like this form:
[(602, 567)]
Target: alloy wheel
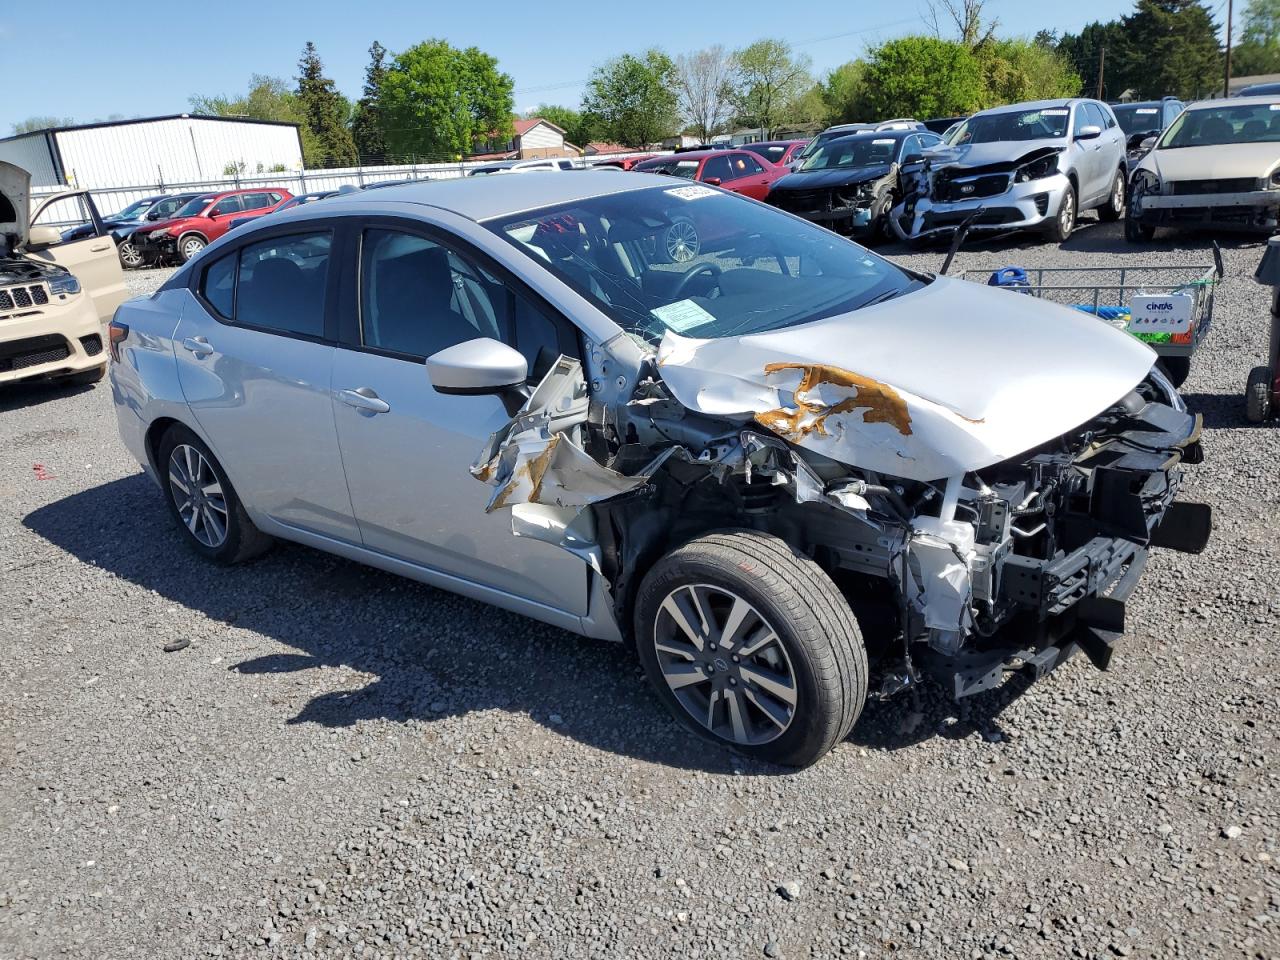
[(191, 246), (725, 664), (130, 256), (1117, 195), (682, 241), (1067, 215), (197, 493)]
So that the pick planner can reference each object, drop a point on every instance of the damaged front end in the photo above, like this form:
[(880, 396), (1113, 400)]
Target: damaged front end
[(987, 567)]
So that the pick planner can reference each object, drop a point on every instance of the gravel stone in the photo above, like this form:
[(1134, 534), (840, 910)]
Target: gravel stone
[(348, 764)]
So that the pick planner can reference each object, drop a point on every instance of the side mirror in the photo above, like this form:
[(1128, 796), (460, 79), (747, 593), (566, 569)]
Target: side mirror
[(1089, 132), (913, 158), (712, 181), (476, 367), (38, 238)]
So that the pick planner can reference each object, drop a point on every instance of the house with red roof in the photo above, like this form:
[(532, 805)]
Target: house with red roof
[(533, 138)]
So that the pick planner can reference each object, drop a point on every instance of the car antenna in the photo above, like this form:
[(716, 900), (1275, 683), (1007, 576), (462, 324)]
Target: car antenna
[(962, 231)]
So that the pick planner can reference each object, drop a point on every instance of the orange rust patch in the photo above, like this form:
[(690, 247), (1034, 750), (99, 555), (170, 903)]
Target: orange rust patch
[(879, 402)]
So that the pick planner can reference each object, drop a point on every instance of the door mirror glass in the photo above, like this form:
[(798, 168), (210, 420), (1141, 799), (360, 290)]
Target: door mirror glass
[(1089, 132), (479, 366)]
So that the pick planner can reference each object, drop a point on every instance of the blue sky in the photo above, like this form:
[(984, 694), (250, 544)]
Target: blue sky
[(82, 66)]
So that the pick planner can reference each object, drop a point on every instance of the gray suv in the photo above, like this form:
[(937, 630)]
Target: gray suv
[(1028, 166)]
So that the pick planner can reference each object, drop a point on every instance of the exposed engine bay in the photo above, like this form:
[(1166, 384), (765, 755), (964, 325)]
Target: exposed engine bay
[(1013, 565)]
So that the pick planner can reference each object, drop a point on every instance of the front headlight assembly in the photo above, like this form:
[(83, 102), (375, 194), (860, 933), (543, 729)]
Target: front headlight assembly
[(157, 234), (1275, 179), (64, 285), (1037, 169), (1146, 182)]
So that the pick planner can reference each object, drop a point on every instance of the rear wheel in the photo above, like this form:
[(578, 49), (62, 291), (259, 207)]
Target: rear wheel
[(1257, 396), (1061, 226), (1113, 209), (750, 644), (203, 502), (189, 246)]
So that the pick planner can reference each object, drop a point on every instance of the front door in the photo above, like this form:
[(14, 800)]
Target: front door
[(92, 259), (407, 448), (255, 366)]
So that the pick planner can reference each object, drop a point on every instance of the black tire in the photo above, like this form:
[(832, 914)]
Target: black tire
[(85, 377), (242, 540), (1114, 206), (797, 602), (1060, 227), (189, 246), (880, 231), (1257, 396), (1177, 369)]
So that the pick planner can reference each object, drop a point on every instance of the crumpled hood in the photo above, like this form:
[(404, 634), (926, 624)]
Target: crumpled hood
[(982, 154), (818, 179), (948, 379), (15, 208), (1219, 162)]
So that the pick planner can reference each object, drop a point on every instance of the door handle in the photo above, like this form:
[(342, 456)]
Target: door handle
[(364, 398), (100, 249), (197, 345)]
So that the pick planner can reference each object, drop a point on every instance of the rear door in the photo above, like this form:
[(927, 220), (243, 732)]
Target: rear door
[(407, 448), (92, 259), (255, 357), (748, 176)]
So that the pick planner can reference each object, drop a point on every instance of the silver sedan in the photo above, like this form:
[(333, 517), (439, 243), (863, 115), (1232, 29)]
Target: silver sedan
[(655, 412)]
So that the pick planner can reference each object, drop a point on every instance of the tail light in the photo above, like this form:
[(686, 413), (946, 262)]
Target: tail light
[(117, 333)]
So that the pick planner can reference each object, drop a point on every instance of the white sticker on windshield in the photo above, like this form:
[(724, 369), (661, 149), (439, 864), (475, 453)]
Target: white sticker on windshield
[(1275, 106), (682, 315), (1146, 110), (691, 193), (1055, 112), (881, 142)]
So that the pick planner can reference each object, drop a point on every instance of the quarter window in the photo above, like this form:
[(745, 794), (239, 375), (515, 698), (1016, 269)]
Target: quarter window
[(219, 285)]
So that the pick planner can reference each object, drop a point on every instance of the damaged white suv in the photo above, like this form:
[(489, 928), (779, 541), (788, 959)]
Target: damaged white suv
[(737, 460)]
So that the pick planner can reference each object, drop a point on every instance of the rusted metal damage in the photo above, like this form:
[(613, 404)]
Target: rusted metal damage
[(879, 402)]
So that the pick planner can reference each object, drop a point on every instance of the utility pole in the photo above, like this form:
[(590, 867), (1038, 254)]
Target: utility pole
[(1226, 80), (1102, 66)]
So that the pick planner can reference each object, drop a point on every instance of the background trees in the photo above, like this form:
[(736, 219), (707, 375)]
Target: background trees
[(704, 82), (632, 100), (768, 83), (326, 113)]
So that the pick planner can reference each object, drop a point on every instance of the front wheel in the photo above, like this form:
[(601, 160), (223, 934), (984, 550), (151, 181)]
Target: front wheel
[(1176, 369), (1113, 209), (750, 644), (189, 246), (1257, 396), (1064, 223), (130, 255)]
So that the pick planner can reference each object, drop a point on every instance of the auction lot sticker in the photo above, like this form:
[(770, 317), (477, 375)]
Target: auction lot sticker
[(691, 193), (1166, 313)]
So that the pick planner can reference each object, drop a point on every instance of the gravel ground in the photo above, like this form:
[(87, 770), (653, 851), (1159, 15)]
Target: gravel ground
[(344, 763)]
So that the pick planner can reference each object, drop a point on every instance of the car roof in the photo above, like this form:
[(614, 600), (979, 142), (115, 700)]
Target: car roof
[(483, 198), (699, 154), (1252, 101), (770, 143), (1035, 105)]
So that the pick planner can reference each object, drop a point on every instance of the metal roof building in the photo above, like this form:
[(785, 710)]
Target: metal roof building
[(180, 148)]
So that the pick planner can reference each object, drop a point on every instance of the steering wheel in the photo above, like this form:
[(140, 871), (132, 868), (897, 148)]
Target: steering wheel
[(697, 270)]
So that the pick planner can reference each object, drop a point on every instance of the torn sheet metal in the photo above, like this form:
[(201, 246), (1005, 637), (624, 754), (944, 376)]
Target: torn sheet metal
[(942, 554), (943, 382), (537, 458)]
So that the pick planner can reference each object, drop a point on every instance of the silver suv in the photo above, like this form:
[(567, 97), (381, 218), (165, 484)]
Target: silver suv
[(1028, 166)]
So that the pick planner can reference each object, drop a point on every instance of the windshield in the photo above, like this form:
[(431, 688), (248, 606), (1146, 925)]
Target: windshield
[(1047, 124), (856, 151), (1137, 118), (701, 262), (812, 146), (670, 166), (1214, 126), (133, 210), (192, 208)]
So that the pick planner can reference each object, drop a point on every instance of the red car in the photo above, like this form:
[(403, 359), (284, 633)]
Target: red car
[(777, 152), (202, 221), (623, 163), (737, 170)]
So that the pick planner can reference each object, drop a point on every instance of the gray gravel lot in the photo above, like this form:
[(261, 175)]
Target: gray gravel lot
[(344, 763)]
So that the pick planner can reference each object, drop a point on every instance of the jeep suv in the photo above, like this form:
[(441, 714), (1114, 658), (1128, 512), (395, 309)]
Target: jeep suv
[(55, 295), (202, 221)]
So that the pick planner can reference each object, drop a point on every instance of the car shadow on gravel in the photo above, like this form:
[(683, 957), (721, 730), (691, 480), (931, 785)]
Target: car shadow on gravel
[(1221, 410), (21, 396)]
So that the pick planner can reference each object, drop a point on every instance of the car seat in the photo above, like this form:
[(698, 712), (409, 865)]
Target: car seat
[(1216, 130)]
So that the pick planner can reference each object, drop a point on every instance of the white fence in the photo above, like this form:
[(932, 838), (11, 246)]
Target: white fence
[(111, 199)]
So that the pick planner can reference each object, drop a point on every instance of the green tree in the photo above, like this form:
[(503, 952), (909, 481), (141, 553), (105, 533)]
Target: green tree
[(576, 126), (325, 113), (843, 92), (769, 80), (1259, 47), (1174, 44), (268, 98), (40, 123), (440, 101), (633, 99), (1016, 70), (922, 77), (367, 127), (1084, 52)]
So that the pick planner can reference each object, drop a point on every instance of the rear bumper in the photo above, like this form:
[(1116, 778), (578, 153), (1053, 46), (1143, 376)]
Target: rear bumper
[(50, 343)]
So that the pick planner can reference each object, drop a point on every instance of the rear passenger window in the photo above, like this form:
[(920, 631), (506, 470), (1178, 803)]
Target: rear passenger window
[(219, 286), (281, 284), (256, 201)]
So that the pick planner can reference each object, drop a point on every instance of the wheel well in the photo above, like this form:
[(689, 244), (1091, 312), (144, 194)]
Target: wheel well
[(158, 429), (192, 233), (1075, 183)]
